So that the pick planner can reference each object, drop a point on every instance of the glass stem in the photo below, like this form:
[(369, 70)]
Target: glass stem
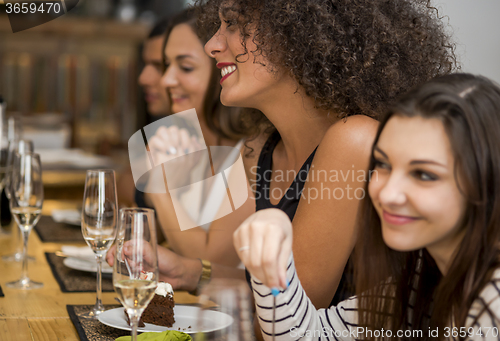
[(98, 303), (24, 271), (134, 322)]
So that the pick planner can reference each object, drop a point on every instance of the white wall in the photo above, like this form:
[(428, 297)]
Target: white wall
[(476, 31)]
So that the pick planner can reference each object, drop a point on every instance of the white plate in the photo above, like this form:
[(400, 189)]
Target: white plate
[(185, 319), (88, 266)]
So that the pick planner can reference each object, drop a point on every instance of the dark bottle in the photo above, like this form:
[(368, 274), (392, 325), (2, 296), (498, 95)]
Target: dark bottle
[(4, 202)]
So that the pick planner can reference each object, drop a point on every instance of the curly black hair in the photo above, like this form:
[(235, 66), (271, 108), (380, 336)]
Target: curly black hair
[(350, 56)]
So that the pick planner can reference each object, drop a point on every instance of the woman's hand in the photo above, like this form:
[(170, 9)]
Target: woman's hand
[(179, 151), (264, 244), (182, 273)]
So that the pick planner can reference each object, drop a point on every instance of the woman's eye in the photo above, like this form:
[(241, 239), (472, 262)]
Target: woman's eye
[(186, 68), (424, 176), (230, 24), (381, 165)]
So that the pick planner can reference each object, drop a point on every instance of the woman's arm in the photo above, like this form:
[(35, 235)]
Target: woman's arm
[(214, 245), (182, 154), (264, 243), (296, 317), (324, 225), (181, 272)]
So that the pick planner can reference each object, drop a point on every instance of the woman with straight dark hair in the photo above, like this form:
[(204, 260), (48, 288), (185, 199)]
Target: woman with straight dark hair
[(427, 257)]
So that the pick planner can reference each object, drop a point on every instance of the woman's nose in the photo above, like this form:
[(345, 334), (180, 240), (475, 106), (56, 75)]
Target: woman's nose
[(393, 191), (216, 45), (169, 80)]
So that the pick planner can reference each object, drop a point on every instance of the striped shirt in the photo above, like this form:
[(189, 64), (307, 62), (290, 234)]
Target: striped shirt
[(297, 318)]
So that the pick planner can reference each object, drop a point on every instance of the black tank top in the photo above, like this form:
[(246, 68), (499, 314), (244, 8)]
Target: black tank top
[(289, 202)]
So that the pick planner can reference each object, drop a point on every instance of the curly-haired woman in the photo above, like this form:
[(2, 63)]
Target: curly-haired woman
[(318, 70)]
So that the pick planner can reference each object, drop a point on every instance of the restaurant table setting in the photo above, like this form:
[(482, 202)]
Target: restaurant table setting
[(77, 274), (49, 297), (93, 330), (51, 231)]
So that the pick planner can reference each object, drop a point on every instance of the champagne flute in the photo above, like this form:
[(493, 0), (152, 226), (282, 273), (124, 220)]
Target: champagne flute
[(232, 297), (21, 147), (135, 270), (26, 206), (99, 216)]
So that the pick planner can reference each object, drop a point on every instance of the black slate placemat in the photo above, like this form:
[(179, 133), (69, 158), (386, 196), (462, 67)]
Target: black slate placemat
[(92, 330), (50, 231), (73, 280)]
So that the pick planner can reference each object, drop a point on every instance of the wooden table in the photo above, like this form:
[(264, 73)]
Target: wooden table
[(41, 314)]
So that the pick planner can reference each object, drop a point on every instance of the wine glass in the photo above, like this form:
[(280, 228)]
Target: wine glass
[(99, 216), (26, 206), (135, 270), (21, 147), (232, 299)]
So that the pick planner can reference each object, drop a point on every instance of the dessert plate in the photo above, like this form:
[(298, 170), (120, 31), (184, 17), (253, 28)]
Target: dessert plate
[(86, 265), (185, 320)]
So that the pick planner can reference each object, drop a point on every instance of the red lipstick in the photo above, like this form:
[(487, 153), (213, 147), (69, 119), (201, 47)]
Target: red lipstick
[(223, 64)]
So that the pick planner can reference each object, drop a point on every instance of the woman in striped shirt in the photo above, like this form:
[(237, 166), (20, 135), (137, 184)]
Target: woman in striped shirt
[(429, 232)]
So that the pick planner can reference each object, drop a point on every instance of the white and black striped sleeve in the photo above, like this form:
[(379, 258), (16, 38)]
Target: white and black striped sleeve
[(483, 320), (296, 316)]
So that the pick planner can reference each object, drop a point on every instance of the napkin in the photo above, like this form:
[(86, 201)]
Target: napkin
[(83, 252), (72, 217), (168, 335)]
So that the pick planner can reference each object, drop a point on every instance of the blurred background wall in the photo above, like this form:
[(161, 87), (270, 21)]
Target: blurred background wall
[(74, 78), (79, 72), (476, 27)]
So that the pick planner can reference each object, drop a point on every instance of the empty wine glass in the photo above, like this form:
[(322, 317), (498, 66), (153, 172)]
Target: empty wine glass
[(99, 217), (21, 147), (232, 300), (26, 206), (135, 270)]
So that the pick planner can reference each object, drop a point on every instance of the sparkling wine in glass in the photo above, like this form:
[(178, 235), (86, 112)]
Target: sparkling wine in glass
[(26, 206), (21, 147), (135, 270), (99, 217)]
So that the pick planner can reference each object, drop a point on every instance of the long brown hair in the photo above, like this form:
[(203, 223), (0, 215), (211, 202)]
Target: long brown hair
[(405, 290), (227, 122)]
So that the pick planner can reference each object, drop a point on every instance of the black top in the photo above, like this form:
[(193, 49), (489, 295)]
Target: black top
[(290, 201)]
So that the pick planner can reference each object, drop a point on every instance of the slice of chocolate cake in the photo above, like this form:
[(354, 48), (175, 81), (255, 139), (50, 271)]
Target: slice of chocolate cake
[(160, 311)]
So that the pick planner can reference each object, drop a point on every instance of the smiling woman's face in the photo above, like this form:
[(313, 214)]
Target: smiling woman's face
[(188, 70), (414, 189), (247, 80)]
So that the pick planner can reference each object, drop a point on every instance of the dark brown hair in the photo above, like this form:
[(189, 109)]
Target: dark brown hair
[(227, 122), (350, 56), (469, 108)]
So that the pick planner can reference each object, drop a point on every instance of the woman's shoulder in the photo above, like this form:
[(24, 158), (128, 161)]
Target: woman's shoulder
[(486, 307), (352, 137)]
